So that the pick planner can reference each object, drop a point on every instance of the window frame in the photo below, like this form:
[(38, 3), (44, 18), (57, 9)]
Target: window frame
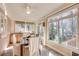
[(27, 23), (75, 6)]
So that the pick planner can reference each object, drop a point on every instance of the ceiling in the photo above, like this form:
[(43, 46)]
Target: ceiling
[(16, 11)]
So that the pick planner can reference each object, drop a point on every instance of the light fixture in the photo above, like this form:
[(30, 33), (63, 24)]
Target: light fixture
[(28, 9), (5, 13), (28, 12)]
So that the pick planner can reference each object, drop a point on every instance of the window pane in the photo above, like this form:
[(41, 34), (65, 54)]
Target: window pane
[(41, 30), (72, 41), (68, 31), (53, 34), (17, 27), (60, 32), (22, 27), (73, 11)]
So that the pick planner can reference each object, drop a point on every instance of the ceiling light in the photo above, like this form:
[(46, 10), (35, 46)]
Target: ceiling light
[(28, 9), (28, 12), (6, 13)]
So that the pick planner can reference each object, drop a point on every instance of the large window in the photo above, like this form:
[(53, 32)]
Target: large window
[(62, 28), (53, 34), (2, 22), (24, 27), (40, 29)]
